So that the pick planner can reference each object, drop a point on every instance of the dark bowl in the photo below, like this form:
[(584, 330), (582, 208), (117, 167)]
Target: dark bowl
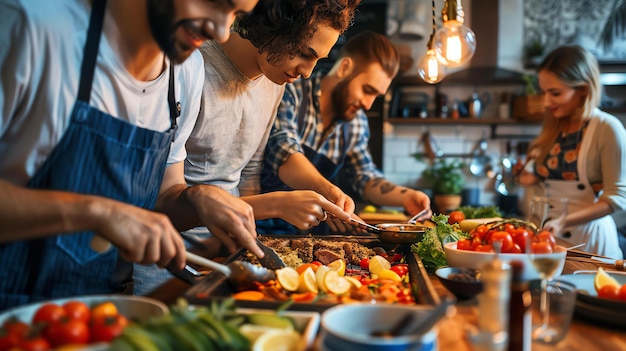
[(464, 283), (401, 233)]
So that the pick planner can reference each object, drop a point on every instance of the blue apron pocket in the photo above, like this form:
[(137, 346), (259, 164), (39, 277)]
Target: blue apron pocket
[(78, 247)]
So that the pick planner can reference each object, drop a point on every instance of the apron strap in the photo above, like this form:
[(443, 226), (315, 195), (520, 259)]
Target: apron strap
[(175, 106), (90, 51)]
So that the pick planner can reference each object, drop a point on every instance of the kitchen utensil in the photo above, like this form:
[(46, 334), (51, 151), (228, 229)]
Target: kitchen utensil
[(271, 259), (396, 233), (408, 325), (413, 219), (431, 148), (575, 246), (619, 264), (479, 159), (240, 273)]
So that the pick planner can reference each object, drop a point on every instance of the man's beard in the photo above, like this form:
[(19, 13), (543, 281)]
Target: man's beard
[(161, 20), (340, 100)]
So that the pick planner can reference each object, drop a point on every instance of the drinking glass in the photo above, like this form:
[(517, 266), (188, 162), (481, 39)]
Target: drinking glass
[(546, 265), (539, 210)]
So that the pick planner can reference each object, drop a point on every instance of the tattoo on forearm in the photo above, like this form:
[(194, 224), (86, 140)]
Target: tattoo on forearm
[(386, 187)]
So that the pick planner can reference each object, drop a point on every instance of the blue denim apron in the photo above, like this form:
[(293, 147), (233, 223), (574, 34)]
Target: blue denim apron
[(326, 167), (100, 155)]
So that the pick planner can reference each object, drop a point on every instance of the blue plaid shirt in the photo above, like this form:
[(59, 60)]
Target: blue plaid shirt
[(288, 134)]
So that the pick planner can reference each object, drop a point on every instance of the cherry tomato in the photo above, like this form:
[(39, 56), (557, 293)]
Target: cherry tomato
[(400, 269), (396, 257), (365, 263), (107, 328), (485, 248), (547, 237), (304, 267), (480, 231), (609, 292), (37, 343), (16, 327), (77, 310), (317, 263), (464, 244), (48, 313), (405, 296), (503, 237), (516, 249), (520, 238), (456, 217), (621, 294), (67, 331), (541, 247), (105, 309), (8, 340)]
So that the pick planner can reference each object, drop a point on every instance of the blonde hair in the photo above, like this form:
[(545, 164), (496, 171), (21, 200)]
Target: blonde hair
[(576, 68)]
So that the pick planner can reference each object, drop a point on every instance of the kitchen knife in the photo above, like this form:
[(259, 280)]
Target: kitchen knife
[(271, 259), (619, 264)]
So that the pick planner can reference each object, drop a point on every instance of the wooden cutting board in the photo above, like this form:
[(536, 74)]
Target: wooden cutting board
[(381, 217)]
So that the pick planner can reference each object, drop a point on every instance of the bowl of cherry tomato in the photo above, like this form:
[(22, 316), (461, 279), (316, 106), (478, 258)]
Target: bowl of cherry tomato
[(513, 237), (91, 321)]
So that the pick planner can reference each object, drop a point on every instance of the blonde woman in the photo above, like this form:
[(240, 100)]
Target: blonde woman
[(580, 153)]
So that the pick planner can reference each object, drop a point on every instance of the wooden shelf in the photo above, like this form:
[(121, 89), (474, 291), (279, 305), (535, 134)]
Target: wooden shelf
[(477, 121)]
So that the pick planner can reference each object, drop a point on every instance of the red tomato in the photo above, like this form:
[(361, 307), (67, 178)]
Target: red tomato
[(105, 309), (49, 313), (609, 292), (405, 296), (8, 341), (16, 327), (396, 257), (401, 269), (480, 231), (67, 331), (547, 237), (365, 263), (520, 237), (621, 294), (33, 344), (485, 248), (516, 249), (504, 238), (317, 263), (541, 247), (77, 310), (456, 217), (464, 244), (107, 328)]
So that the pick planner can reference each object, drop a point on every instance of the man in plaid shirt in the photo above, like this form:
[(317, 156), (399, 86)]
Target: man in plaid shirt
[(321, 132)]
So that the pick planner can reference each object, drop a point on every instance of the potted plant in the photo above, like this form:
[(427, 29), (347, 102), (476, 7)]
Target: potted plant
[(447, 180), (529, 106)]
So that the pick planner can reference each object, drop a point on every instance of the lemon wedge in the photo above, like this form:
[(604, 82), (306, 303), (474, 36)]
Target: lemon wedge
[(602, 278), (319, 275), (354, 282), (378, 263), (288, 278), (278, 340), (336, 284), (389, 274), (338, 266), (307, 282)]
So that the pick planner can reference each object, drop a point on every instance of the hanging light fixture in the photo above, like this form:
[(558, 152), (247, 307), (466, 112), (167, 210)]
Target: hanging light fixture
[(429, 68), (454, 43)]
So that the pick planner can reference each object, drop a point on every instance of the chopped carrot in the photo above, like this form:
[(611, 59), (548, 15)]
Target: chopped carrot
[(251, 295)]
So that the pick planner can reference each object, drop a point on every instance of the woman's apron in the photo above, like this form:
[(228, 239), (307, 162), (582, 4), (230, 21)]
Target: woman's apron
[(101, 155), (327, 168), (600, 235)]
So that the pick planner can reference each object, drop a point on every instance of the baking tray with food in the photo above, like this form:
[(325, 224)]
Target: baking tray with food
[(338, 262)]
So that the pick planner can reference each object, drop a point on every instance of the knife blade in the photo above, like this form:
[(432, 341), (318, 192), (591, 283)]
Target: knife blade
[(271, 259)]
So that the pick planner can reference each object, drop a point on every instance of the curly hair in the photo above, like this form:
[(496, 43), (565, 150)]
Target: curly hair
[(282, 28)]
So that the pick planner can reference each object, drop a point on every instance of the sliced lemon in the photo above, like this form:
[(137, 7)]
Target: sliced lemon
[(278, 340), (287, 278), (378, 263), (307, 282), (369, 209), (353, 281), (253, 331), (319, 275), (336, 284), (389, 274), (338, 266), (602, 278)]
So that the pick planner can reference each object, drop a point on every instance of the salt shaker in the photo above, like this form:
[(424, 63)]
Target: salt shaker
[(493, 304)]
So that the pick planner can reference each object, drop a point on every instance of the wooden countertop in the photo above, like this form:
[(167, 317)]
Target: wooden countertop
[(582, 335)]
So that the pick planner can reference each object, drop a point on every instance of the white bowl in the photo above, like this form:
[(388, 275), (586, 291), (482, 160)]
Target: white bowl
[(348, 327), (475, 260), (135, 308)]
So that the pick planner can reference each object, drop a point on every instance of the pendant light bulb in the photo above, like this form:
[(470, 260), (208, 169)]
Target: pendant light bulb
[(454, 44), (430, 69)]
